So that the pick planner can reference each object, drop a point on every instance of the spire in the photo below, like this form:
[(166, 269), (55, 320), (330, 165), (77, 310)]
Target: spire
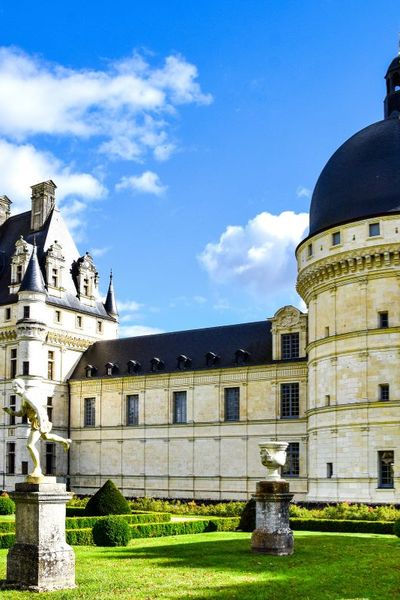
[(110, 305), (33, 279)]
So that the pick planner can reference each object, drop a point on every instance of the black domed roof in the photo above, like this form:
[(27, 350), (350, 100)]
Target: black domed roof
[(361, 179)]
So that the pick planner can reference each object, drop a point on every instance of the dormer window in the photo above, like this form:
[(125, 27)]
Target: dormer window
[(90, 370), (86, 287), (183, 362), (211, 359), (18, 275), (134, 367), (54, 277), (111, 368), (156, 364), (241, 356)]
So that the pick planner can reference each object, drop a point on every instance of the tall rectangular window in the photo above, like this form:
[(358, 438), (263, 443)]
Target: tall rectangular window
[(57, 316), (384, 392), (50, 364), (132, 409), (27, 312), (329, 470), (291, 468), (54, 277), (50, 408), (79, 321), (12, 406), (10, 458), (290, 404), (7, 313), (232, 404), (385, 469), (336, 238), (19, 273), (383, 319), (89, 418), (290, 344), (13, 363), (24, 467), (25, 367), (179, 407), (50, 458)]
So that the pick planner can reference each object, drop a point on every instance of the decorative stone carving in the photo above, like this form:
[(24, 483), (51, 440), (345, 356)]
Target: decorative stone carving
[(273, 456)]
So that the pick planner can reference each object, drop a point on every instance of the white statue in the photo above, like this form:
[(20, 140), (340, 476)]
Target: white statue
[(273, 456), (39, 422)]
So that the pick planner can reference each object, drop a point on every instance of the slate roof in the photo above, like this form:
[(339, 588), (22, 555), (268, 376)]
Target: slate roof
[(53, 229), (33, 279), (361, 179), (254, 338)]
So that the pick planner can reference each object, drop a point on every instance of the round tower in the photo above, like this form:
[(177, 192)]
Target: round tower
[(349, 277)]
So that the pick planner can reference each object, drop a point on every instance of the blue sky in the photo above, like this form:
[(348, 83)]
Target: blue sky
[(185, 138)]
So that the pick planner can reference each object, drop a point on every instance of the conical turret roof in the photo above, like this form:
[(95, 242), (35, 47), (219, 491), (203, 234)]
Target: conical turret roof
[(110, 305), (33, 279)]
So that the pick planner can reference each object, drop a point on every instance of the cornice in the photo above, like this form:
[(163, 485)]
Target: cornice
[(359, 334), (346, 265), (68, 341)]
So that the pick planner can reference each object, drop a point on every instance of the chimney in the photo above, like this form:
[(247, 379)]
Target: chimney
[(43, 202), (4, 209)]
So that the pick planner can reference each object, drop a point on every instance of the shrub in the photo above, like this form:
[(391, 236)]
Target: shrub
[(147, 530), (221, 509), (112, 531), (7, 540), (341, 525), (396, 528), (75, 511), (108, 500), (248, 516), (7, 506), (83, 522), (79, 537), (6, 526)]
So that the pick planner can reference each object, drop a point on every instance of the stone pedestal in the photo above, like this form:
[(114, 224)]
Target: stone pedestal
[(40, 559), (272, 534)]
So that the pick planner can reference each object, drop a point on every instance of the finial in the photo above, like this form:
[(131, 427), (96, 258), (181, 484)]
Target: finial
[(111, 276)]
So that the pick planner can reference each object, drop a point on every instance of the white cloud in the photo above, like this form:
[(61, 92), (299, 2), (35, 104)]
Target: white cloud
[(258, 256), (146, 183), (95, 252), (136, 330), (126, 106), (128, 305), (22, 166), (303, 192)]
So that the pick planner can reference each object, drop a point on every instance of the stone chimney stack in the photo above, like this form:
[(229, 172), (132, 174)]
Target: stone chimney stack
[(43, 202), (5, 203)]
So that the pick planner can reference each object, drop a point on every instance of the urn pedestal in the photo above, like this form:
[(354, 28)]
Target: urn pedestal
[(272, 534), (40, 559)]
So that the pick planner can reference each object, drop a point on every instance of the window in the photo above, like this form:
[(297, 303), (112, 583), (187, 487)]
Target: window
[(24, 467), (134, 367), (7, 313), (19, 274), (329, 470), (211, 359), (327, 331), (86, 287), (289, 345), (179, 407), (99, 327), (309, 250), (374, 229), (89, 412), (289, 400), (12, 406), (232, 404), (132, 410), (50, 408), (50, 458), (25, 367), (336, 238), (57, 316), (13, 363), (383, 318), (327, 400), (291, 468), (54, 277), (10, 466), (79, 321), (50, 364), (384, 393), (385, 469), (27, 312)]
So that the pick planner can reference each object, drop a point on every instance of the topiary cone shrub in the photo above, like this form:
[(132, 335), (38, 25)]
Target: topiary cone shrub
[(108, 500), (112, 531), (248, 517), (7, 506)]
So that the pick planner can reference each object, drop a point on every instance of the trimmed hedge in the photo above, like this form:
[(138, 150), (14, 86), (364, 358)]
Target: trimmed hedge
[(79, 537), (396, 528), (348, 526), (108, 500), (111, 531), (6, 526), (7, 540), (75, 511), (83, 522), (7, 506), (148, 530)]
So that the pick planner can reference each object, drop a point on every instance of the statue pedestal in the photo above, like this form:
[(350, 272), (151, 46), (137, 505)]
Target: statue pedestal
[(272, 534), (40, 559)]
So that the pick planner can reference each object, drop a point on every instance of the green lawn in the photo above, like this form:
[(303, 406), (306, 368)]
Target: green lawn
[(220, 566)]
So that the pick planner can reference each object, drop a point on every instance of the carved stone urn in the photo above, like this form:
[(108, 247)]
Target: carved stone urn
[(273, 456)]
